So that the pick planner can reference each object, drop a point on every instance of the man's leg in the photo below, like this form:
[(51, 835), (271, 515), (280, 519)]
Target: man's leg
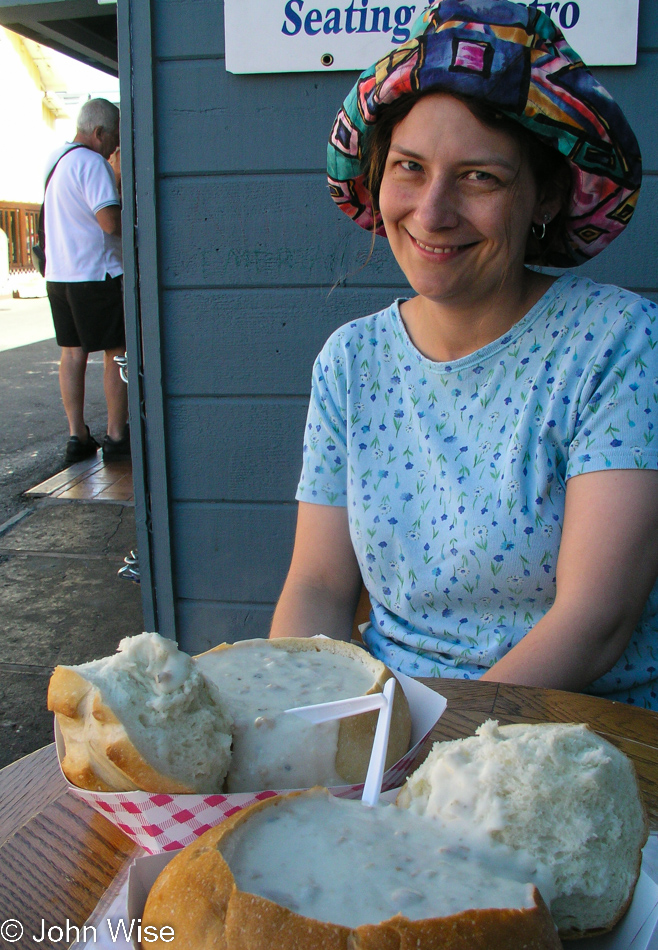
[(72, 369), (116, 395), (72, 365), (97, 308)]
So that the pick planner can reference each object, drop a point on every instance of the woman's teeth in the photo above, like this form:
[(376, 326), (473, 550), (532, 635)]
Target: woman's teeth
[(437, 250)]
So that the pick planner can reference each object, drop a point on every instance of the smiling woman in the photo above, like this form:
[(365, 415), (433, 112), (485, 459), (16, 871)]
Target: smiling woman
[(458, 201), (549, 169), (482, 455)]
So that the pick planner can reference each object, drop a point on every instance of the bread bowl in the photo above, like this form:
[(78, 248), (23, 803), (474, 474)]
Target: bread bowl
[(144, 718), (556, 791), (273, 750), (197, 894), (201, 735)]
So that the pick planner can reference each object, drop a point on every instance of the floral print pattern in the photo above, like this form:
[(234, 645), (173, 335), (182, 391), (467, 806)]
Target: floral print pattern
[(454, 474)]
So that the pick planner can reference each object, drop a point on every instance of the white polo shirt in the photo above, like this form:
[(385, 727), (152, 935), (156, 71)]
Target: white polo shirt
[(77, 248)]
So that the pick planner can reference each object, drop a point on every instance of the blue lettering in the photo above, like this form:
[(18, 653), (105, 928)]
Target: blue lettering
[(363, 14), (348, 19), (402, 17), (374, 26), (332, 23), (294, 18), (313, 16), (315, 21), (548, 7), (575, 15)]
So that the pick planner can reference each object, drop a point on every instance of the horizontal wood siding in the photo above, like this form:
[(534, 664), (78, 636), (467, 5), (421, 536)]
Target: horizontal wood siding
[(247, 456), (648, 27), (215, 347), (200, 99), (188, 28), (257, 268), (263, 231), (211, 622), (219, 122), (232, 553), (251, 247)]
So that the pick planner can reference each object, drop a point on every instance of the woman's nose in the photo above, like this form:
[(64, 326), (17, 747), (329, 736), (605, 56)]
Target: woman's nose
[(437, 206)]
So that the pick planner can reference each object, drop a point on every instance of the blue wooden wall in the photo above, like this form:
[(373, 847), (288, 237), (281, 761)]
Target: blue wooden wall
[(249, 246)]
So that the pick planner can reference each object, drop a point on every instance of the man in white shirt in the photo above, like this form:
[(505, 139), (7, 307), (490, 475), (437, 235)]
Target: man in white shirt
[(84, 272)]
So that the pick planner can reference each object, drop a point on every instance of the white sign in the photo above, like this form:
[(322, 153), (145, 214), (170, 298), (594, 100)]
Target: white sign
[(281, 36)]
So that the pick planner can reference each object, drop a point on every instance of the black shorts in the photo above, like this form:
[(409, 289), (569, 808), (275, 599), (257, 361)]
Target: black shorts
[(88, 313)]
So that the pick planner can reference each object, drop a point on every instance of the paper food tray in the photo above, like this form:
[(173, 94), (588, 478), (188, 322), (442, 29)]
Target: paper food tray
[(167, 822), (636, 931)]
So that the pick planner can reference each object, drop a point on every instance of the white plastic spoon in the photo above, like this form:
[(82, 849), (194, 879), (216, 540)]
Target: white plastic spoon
[(340, 709)]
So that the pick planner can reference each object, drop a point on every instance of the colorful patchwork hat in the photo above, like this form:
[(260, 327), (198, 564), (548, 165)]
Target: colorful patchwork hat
[(515, 59)]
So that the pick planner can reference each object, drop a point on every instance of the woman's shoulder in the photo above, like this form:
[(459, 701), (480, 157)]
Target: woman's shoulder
[(364, 333), (607, 326), (609, 298)]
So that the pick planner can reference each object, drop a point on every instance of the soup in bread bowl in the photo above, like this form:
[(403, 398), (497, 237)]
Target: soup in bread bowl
[(307, 870), (498, 841), (152, 718)]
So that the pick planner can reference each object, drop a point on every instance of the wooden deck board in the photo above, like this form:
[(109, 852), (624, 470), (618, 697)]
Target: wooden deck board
[(91, 480)]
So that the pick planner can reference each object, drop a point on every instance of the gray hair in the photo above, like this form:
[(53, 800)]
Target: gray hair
[(95, 113)]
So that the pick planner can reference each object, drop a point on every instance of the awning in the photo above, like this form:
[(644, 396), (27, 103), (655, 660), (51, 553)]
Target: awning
[(83, 29)]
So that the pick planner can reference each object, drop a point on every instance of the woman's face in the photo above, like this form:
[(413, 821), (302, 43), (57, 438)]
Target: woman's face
[(458, 200)]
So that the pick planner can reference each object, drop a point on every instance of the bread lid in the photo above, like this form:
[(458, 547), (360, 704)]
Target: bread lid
[(558, 791)]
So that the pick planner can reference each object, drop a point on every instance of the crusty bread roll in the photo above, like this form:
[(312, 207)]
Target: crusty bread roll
[(558, 792), (198, 896), (152, 718), (258, 679), (144, 718)]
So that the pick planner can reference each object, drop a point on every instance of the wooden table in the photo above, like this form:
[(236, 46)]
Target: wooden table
[(59, 858)]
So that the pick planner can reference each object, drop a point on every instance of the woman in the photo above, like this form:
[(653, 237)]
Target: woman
[(482, 453)]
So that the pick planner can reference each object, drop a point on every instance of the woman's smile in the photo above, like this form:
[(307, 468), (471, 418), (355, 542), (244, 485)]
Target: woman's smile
[(444, 251)]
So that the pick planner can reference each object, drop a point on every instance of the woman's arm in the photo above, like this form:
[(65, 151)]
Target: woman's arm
[(606, 567), (323, 584)]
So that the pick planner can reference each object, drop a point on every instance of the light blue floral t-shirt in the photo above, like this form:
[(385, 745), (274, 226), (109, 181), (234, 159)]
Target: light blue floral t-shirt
[(454, 474)]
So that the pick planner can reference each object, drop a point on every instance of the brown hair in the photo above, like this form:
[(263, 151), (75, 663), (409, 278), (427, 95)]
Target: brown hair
[(548, 167)]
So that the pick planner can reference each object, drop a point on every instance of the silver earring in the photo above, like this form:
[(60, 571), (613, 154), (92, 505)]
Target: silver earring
[(540, 232)]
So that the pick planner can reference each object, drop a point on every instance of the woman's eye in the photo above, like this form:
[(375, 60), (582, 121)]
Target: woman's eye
[(480, 176), (410, 166)]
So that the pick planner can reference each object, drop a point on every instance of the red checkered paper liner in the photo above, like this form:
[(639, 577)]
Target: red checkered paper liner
[(167, 822)]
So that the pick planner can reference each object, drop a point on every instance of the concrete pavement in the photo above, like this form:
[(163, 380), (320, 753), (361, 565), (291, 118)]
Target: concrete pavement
[(61, 600), (34, 430), (24, 321)]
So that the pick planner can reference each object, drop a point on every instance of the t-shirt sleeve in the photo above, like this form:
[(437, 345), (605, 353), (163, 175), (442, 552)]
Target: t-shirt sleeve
[(324, 466), (618, 406), (99, 184)]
